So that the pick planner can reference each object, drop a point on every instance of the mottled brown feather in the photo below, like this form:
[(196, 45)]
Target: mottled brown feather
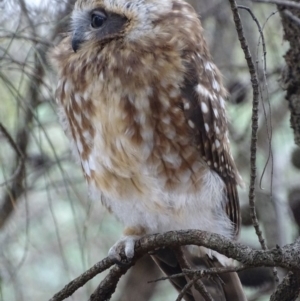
[(152, 105), (205, 140)]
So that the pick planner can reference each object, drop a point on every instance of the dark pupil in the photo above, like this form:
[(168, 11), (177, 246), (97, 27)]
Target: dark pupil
[(97, 21)]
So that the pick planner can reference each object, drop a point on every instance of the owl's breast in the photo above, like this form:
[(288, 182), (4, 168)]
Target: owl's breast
[(130, 129)]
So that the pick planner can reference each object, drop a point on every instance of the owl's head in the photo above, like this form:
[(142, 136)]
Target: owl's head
[(104, 20)]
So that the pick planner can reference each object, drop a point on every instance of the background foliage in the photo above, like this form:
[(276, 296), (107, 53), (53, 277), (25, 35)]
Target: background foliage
[(50, 232)]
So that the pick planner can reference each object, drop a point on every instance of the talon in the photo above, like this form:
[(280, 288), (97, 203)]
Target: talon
[(122, 251)]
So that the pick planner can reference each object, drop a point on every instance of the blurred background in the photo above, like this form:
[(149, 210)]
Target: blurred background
[(50, 232)]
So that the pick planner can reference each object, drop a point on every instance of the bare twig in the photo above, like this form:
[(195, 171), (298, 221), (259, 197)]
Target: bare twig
[(80, 281), (136, 283), (269, 131), (203, 272), (291, 16), (255, 104), (20, 155), (25, 12), (186, 288), (11, 140), (196, 280), (108, 286), (200, 287), (259, 29)]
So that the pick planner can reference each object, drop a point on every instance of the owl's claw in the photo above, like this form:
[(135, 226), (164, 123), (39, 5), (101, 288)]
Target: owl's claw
[(124, 246)]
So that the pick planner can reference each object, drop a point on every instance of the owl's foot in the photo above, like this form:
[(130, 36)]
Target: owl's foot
[(124, 246)]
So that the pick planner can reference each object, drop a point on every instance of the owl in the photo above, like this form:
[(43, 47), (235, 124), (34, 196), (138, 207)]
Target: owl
[(144, 107)]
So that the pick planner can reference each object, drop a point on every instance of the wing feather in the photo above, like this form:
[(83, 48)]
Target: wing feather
[(203, 102)]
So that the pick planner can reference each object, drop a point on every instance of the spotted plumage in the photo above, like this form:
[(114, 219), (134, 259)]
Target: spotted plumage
[(144, 106)]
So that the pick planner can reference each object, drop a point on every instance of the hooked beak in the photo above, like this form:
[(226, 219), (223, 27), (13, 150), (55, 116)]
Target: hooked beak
[(76, 41)]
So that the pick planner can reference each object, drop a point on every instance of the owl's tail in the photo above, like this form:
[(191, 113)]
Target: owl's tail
[(222, 287)]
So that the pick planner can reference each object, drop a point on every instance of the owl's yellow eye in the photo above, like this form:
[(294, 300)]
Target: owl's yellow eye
[(98, 19)]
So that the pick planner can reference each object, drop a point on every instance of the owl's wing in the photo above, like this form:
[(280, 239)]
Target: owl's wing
[(204, 108)]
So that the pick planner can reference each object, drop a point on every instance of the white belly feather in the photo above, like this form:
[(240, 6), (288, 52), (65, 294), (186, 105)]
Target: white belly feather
[(162, 211)]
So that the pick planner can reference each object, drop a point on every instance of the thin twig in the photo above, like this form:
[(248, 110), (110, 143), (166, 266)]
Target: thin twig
[(11, 141), (260, 31), (200, 287), (25, 12), (108, 286), (80, 281), (292, 16), (203, 272), (185, 290), (255, 105), (20, 157), (269, 131), (198, 284)]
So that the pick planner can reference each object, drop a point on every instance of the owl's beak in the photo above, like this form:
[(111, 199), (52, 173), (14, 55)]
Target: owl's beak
[(76, 41)]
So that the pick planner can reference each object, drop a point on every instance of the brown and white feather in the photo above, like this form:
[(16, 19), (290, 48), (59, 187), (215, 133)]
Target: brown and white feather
[(144, 105)]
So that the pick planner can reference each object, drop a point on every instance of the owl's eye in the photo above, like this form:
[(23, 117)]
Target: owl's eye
[(98, 20)]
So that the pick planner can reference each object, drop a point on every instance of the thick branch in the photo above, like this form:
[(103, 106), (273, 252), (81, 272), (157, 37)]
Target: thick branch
[(287, 257)]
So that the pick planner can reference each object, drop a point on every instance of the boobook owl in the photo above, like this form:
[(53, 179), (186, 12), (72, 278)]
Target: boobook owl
[(144, 106)]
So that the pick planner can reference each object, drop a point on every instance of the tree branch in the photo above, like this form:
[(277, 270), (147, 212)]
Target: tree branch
[(254, 126), (289, 289), (108, 286), (287, 257), (80, 281)]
